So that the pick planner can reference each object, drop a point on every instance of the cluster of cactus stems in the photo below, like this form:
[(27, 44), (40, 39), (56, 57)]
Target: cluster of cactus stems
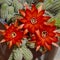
[(10, 13)]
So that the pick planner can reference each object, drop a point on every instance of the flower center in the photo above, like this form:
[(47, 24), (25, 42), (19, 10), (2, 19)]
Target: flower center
[(33, 21), (44, 34), (13, 34)]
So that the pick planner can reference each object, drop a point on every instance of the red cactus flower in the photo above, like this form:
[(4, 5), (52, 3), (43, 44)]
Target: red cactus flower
[(12, 34), (33, 19), (45, 37)]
